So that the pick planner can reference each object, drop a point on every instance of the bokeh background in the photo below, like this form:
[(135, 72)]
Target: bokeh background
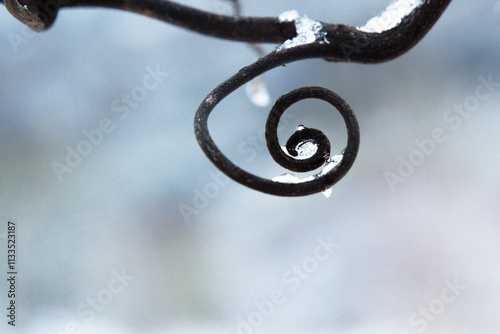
[(145, 236)]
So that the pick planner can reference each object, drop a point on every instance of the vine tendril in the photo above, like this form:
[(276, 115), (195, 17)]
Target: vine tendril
[(307, 135), (318, 184), (333, 42)]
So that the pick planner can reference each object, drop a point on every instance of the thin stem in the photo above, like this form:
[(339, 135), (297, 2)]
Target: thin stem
[(347, 43)]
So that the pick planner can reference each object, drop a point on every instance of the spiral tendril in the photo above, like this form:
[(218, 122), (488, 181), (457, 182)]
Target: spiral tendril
[(332, 42), (290, 161)]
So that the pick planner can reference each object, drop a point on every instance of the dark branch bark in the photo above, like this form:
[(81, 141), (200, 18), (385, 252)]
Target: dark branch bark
[(368, 47)]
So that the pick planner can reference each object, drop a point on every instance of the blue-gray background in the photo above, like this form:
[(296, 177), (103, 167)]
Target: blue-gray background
[(120, 210)]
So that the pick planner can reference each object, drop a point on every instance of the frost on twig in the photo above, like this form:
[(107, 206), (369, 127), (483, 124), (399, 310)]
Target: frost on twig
[(288, 16), (331, 163), (392, 16), (308, 31)]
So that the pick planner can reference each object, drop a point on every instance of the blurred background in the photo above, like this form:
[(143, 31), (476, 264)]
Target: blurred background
[(140, 233)]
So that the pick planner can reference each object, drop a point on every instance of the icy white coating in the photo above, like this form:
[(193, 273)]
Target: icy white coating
[(331, 163), (308, 31), (290, 178), (392, 16), (257, 92), (288, 16), (306, 150)]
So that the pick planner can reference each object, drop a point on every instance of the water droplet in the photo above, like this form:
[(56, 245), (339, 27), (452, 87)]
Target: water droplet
[(256, 91)]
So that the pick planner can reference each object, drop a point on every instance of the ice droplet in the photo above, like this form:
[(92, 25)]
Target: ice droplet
[(257, 92), (331, 163), (327, 192), (392, 16), (288, 16), (308, 31)]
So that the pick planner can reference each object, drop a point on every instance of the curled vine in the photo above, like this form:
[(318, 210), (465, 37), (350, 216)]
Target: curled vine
[(402, 25)]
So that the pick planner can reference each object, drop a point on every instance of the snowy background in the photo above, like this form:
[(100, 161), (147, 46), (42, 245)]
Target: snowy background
[(109, 248)]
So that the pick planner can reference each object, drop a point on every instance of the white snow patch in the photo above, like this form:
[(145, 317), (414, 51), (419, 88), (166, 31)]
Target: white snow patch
[(290, 178), (392, 16), (288, 16), (308, 31)]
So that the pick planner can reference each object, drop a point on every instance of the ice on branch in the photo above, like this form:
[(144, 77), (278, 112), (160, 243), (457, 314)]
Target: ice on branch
[(392, 16), (308, 31), (290, 178), (288, 16), (305, 150)]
